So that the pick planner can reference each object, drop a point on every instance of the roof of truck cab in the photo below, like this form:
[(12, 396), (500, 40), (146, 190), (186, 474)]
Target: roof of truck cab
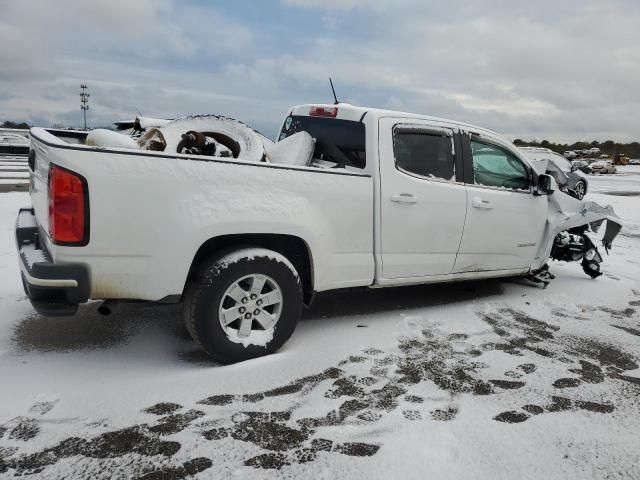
[(346, 111)]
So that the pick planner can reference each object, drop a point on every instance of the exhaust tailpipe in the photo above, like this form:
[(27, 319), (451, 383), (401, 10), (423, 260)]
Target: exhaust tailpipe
[(105, 307)]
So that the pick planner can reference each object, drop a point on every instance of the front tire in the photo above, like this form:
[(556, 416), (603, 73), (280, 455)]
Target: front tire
[(243, 304)]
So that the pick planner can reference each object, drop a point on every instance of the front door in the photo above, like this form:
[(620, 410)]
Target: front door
[(422, 199), (505, 221)]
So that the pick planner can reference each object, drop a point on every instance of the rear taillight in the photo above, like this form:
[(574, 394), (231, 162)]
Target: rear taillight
[(68, 207), (331, 112)]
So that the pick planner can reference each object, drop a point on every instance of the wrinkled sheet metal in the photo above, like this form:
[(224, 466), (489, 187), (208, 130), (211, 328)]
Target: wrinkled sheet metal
[(548, 166), (566, 212)]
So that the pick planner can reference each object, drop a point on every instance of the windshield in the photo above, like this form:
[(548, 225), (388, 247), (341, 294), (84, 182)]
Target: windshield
[(338, 141)]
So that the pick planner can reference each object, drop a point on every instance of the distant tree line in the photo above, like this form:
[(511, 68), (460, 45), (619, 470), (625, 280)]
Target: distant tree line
[(609, 147), (9, 124)]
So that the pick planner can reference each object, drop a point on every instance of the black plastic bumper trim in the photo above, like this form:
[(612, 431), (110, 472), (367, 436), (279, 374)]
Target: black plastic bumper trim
[(54, 289)]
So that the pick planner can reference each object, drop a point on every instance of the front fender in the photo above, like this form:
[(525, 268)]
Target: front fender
[(566, 212)]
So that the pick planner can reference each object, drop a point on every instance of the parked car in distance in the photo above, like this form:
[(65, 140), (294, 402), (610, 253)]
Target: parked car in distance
[(603, 166), (576, 181), (634, 161), (581, 165), (570, 154), (594, 151)]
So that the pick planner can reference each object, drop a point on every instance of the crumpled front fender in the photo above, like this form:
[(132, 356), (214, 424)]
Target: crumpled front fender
[(566, 212)]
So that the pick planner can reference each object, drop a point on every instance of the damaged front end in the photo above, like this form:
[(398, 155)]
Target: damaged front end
[(565, 237), (576, 246)]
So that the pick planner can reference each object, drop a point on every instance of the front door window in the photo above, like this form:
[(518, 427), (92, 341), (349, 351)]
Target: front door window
[(495, 167)]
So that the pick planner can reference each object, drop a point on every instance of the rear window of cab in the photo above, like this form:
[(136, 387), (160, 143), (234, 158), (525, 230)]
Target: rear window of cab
[(339, 141)]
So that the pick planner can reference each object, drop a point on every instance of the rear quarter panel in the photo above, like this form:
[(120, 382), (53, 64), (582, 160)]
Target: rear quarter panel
[(150, 214)]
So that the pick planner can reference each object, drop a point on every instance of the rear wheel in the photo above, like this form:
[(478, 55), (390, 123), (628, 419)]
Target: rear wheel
[(243, 305), (580, 189)]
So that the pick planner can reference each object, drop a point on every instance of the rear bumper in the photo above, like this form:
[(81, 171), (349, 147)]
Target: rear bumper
[(54, 289)]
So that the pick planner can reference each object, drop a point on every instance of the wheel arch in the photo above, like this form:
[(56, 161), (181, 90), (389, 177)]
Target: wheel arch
[(295, 249)]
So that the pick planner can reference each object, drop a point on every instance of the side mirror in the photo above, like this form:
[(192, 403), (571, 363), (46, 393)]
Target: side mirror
[(546, 185), (574, 167)]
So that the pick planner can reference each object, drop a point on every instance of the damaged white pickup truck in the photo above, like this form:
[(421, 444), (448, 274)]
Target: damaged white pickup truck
[(243, 231)]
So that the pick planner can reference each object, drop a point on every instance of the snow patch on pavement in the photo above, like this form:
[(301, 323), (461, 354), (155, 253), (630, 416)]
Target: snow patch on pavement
[(493, 379)]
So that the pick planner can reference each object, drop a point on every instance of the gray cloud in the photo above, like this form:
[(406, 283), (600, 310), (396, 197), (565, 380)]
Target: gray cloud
[(556, 69), (559, 70)]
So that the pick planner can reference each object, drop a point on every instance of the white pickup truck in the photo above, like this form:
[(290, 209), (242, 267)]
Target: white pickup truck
[(384, 199)]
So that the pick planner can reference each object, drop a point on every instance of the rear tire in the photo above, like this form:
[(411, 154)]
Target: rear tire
[(580, 189), (243, 304)]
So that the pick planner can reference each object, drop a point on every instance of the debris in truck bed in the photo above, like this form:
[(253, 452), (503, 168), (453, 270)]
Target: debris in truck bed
[(135, 128), (145, 123), (219, 136), (294, 150), (207, 143), (236, 137), (108, 138), (208, 135)]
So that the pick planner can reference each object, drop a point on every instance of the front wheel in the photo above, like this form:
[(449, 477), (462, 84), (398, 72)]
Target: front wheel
[(243, 305), (581, 190)]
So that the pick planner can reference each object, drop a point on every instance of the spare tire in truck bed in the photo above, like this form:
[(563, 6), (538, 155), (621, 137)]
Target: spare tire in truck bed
[(229, 137)]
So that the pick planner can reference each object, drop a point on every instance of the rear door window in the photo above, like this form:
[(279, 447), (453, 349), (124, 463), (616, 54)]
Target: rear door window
[(339, 141), (427, 154)]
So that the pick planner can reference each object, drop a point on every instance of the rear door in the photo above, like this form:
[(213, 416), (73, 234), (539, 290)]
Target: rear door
[(505, 221), (422, 199)]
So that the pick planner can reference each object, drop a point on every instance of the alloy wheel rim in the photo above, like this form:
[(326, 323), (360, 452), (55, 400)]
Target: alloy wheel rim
[(251, 306)]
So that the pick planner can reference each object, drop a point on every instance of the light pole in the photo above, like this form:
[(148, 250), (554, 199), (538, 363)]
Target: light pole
[(84, 103)]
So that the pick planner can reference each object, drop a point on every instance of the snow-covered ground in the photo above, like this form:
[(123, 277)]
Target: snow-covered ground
[(493, 379)]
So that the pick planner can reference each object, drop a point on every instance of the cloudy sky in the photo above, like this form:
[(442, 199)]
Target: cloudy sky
[(558, 69)]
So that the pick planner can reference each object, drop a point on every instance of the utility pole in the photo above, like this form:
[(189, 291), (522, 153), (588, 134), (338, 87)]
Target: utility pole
[(84, 103)]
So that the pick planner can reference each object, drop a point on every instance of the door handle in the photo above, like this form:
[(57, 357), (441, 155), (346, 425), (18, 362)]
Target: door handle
[(477, 202), (404, 198)]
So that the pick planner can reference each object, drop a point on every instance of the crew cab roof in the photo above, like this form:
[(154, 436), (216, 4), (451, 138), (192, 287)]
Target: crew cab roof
[(346, 111)]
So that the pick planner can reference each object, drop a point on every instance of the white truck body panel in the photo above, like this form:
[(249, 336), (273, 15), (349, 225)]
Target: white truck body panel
[(150, 212), (503, 230), (422, 219)]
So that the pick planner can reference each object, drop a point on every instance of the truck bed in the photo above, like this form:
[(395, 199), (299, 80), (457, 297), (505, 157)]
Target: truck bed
[(150, 212)]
